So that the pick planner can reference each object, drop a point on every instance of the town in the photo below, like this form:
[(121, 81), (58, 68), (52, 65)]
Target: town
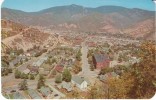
[(66, 70), (78, 49)]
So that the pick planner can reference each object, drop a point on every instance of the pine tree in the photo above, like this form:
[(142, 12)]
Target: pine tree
[(58, 78), (17, 74), (66, 75)]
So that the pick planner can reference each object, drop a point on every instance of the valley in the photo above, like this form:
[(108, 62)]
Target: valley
[(67, 52)]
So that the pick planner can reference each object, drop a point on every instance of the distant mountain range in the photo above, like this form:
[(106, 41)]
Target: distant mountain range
[(110, 19)]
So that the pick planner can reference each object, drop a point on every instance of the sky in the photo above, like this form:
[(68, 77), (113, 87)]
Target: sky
[(37, 5)]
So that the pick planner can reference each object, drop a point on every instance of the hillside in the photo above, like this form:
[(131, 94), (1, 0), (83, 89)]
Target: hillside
[(18, 36), (15, 35)]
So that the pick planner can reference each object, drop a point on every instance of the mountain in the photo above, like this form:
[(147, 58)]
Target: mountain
[(108, 19)]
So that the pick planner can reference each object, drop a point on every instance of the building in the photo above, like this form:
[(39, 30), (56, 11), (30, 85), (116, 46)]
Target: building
[(100, 61), (108, 75), (17, 95), (33, 69), (26, 71), (65, 85), (80, 82), (45, 91), (45, 69), (39, 62), (33, 94), (59, 68)]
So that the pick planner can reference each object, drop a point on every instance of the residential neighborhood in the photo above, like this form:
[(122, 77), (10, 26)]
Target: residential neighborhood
[(65, 68), (77, 51)]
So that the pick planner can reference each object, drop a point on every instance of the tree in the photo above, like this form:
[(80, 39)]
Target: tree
[(23, 85), (41, 82), (32, 77), (66, 75), (10, 70), (106, 70), (95, 92), (75, 94), (6, 72), (17, 74), (54, 60), (24, 76), (77, 69), (58, 78), (119, 88), (53, 72), (78, 55), (138, 81), (20, 51)]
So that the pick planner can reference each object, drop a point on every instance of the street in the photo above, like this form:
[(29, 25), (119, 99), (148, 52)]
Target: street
[(86, 72)]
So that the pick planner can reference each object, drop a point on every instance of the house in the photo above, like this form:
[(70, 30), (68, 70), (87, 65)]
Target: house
[(40, 62), (14, 62), (28, 54), (65, 85), (17, 60), (26, 71), (107, 76), (59, 68), (80, 82), (33, 69), (22, 57), (17, 95), (45, 91), (100, 61), (44, 69), (33, 94), (70, 62)]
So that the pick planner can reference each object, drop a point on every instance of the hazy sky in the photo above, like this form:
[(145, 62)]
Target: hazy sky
[(36, 5)]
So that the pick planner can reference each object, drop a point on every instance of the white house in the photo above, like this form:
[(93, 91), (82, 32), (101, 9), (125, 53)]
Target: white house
[(80, 82)]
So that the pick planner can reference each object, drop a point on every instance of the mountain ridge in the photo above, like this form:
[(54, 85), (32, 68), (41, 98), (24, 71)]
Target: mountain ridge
[(110, 19)]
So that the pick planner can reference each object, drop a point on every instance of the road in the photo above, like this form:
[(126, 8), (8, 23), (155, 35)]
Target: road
[(55, 90), (86, 72)]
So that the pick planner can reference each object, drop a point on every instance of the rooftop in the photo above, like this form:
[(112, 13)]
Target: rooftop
[(79, 79), (100, 57)]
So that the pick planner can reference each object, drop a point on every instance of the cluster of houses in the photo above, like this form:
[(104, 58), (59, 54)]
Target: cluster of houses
[(111, 56), (79, 82), (56, 60), (64, 57), (18, 60), (44, 92)]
